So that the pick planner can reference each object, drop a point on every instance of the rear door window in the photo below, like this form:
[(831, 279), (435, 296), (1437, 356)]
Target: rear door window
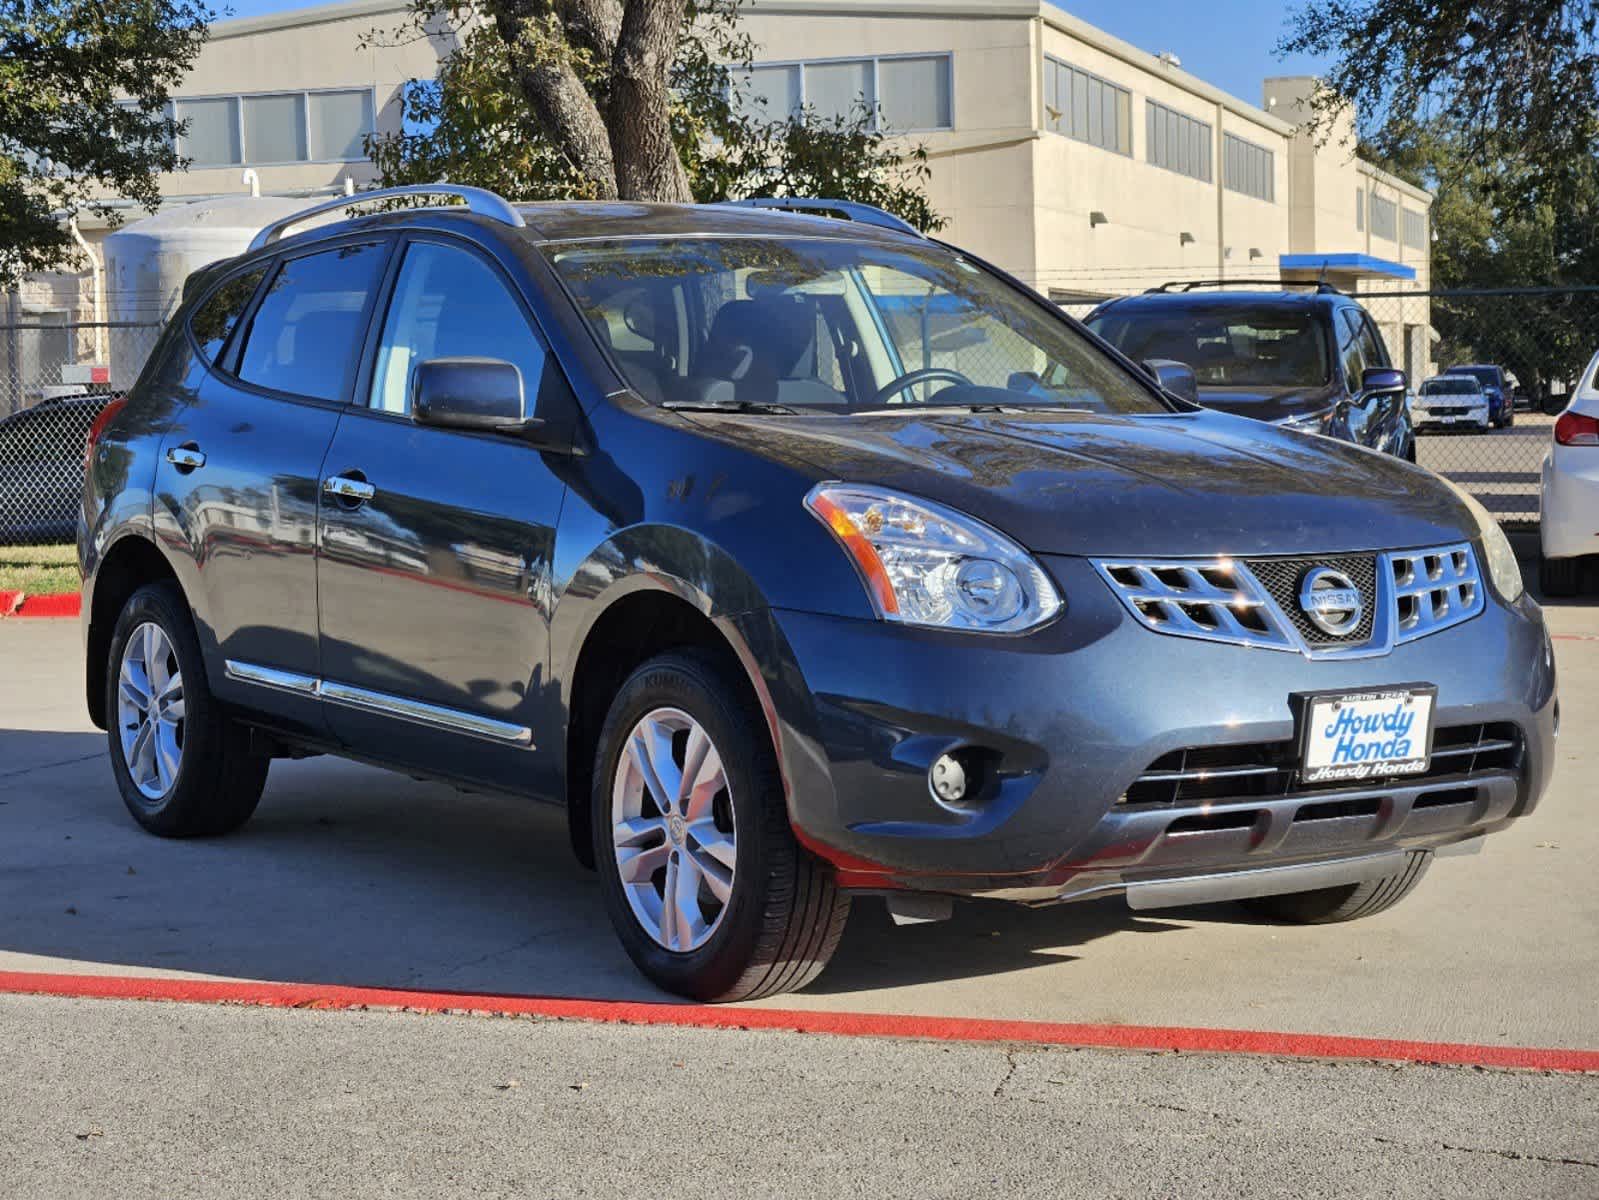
[(213, 321), (307, 331)]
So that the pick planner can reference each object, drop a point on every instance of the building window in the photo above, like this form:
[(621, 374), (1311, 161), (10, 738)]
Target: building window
[(278, 127), (905, 93), (1248, 168), (836, 90), (337, 123), (211, 138), (1384, 218), (274, 128), (1176, 141), (1087, 108), (915, 92), (1415, 230), (1360, 210)]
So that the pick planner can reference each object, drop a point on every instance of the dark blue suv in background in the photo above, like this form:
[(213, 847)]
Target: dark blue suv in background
[(1312, 362), (797, 560)]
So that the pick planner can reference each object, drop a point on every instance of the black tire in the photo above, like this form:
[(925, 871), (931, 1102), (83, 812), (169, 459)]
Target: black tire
[(1559, 576), (1348, 902), (219, 780), (784, 916)]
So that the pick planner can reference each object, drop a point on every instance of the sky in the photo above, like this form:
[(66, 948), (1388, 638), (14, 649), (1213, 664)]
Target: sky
[(1227, 43)]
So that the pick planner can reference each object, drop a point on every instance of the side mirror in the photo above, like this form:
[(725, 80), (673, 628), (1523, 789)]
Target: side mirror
[(1381, 379), (1173, 376), (483, 394)]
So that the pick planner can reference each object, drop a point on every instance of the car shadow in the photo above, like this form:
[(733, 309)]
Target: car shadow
[(351, 875)]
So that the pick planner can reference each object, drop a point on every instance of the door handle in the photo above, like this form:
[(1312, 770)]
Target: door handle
[(352, 489), (186, 457)]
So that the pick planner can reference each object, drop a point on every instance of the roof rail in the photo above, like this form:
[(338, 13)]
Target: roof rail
[(847, 210), (478, 200), (1180, 285)]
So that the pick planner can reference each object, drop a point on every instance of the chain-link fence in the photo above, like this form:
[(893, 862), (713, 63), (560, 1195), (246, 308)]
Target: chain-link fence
[(1525, 348), (55, 379)]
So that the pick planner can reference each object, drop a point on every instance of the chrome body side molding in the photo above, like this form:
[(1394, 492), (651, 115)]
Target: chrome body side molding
[(416, 711)]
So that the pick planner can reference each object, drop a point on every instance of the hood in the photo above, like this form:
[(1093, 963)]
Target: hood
[(1269, 404), (1183, 484)]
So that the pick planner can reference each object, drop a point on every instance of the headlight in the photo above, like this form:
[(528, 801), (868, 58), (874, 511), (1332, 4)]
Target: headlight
[(924, 564), (1311, 423), (1502, 566)]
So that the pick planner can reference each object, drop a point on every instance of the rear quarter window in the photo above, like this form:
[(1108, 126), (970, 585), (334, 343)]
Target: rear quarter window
[(213, 321)]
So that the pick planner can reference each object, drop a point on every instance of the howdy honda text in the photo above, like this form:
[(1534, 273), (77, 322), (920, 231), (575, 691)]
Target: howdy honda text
[(1364, 735)]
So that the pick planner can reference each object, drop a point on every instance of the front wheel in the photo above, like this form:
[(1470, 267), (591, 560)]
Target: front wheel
[(705, 885), (183, 766), (1559, 576), (1346, 902)]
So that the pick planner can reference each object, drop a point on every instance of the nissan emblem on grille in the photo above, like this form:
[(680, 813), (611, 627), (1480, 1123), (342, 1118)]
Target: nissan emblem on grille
[(1331, 600)]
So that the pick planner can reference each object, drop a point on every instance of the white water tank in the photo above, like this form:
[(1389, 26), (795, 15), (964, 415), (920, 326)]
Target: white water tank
[(147, 261)]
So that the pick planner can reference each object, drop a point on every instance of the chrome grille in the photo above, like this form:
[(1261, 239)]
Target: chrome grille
[(1434, 589), (1202, 774), (1215, 600), (1407, 594), (1282, 578)]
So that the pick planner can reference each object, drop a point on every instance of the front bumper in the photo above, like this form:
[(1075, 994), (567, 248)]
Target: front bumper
[(1456, 418), (1078, 711)]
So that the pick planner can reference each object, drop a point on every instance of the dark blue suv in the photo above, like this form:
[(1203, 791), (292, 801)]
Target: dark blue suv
[(1496, 385), (797, 560), (1309, 361)]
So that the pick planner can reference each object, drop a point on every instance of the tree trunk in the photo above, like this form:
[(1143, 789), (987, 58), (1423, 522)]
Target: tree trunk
[(640, 110), (565, 111)]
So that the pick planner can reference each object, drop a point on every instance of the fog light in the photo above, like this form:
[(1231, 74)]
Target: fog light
[(947, 777)]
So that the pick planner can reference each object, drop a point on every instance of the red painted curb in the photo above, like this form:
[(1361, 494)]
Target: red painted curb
[(881, 1025), (9, 603), (59, 604)]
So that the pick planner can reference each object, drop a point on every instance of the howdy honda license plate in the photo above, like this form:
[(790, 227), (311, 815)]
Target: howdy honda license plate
[(1366, 735)]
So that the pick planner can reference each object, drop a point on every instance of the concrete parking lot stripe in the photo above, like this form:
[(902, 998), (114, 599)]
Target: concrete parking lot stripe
[(842, 1024)]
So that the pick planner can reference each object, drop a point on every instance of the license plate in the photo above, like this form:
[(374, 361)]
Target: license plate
[(1366, 735)]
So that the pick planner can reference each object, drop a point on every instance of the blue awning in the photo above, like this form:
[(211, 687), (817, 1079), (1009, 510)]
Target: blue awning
[(1358, 264)]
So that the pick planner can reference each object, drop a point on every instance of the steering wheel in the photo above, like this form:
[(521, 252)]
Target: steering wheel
[(911, 378)]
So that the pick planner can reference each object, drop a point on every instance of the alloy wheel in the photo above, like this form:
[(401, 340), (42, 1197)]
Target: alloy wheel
[(150, 711), (672, 829)]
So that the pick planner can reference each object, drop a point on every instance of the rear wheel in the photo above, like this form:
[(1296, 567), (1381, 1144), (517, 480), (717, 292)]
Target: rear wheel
[(708, 891), (184, 767), (1559, 576), (1347, 902)]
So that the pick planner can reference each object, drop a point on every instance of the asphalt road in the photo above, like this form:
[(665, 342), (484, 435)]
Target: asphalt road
[(137, 1100), (1501, 467), (352, 875)]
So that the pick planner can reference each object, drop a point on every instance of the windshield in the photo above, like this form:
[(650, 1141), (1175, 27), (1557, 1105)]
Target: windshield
[(1460, 385), (1226, 345), (831, 325), (1487, 376)]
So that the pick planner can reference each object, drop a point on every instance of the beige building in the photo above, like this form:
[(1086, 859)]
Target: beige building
[(1084, 165)]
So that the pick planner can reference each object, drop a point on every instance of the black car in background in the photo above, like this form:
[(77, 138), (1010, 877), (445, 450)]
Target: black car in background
[(1496, 384), (41, 468), (1308, 361)]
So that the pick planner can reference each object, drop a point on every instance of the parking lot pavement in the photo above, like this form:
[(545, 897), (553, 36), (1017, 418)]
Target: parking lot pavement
[(155, 1100), (1500, 467), (349, 875)]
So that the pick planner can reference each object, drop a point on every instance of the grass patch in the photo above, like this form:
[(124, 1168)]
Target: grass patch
[(39, 570)]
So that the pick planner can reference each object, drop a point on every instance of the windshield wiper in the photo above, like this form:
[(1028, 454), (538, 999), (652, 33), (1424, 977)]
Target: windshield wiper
[(732, 406)]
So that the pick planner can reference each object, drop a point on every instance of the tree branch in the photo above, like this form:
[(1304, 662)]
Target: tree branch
[(542, 67)]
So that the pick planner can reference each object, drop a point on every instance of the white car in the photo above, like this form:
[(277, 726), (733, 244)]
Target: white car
[(1570, 514), (1451, 402)]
